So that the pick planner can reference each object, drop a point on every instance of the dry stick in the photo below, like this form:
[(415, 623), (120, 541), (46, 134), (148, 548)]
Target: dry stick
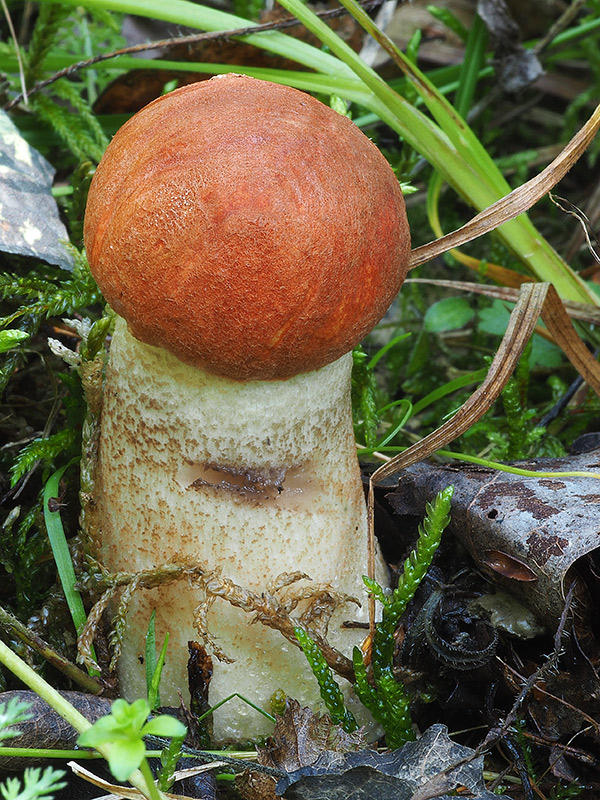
[(584, 312), (13, 36), (496, 734), (566, 749), (592, 723), (515, 203), (561, 23), (193, 38), (13, 627)]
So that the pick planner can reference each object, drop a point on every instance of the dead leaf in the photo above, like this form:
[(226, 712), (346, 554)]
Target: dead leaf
[(516, 67), (135, 89), (47, 729), (427, 768), (301, 738), (29, 221), (541, 525)]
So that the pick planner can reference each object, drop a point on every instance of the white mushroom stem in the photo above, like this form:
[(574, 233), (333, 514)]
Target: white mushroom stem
[(253, 479)]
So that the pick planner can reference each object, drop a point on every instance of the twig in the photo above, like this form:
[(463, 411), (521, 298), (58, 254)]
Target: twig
[(166, 43), (496, 734), (13, 36), (559, 25), (14, 627)]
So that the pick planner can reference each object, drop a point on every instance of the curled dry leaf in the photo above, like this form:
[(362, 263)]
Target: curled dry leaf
[(526, 533), (301, 738), (586, 226)]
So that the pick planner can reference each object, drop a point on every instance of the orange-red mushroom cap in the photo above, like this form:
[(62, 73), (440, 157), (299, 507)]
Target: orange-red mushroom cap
[(247, 228)]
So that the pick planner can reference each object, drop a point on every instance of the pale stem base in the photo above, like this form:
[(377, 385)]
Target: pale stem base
[(251, 479)]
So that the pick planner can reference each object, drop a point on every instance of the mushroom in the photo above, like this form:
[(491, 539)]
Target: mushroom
[(247, 236)]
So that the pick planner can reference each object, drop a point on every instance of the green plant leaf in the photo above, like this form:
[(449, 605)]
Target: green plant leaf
[(9, 338), (130, 716), (61, 552), (126, 758), (103, 730), (448, 314), (37, 785), (164, 725), (494, 319), (121, 734), (12, 713)]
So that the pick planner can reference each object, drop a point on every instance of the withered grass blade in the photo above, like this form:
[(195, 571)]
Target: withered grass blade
[(579, 311), (557, 319), (521, 325), (515, 203)]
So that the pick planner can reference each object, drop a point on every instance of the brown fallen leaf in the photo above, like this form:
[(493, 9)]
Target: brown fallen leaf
[(431, 767), (526, 533), (47, 729), (301, 737), (130, 92)]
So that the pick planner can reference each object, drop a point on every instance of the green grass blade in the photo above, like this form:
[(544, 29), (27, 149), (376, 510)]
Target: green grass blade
[(60, 551), (183, 12), (471, 67), (451, 147)]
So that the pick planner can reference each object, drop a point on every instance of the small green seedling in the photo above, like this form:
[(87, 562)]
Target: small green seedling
[(154, 666), (125, 727), (37, 785), (13, 713)]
